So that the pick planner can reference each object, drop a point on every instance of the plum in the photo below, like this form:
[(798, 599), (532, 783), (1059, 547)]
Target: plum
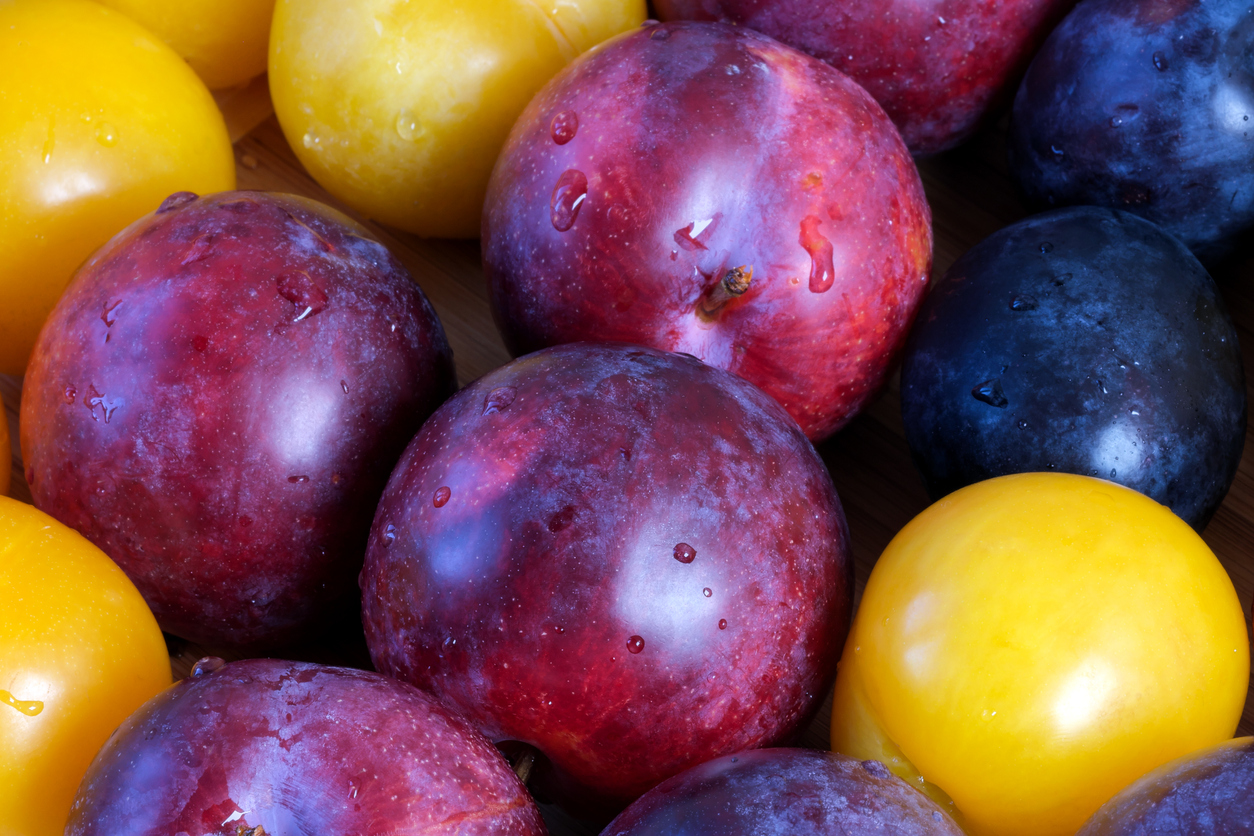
[(1206, 793), (939, 68), (702, 188), (1083, 340), (265, 746), (784, 792), (1145, 106), (625, 558), (217, 400)]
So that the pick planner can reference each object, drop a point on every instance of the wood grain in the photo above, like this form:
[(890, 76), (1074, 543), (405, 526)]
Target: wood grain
[(971, 197)]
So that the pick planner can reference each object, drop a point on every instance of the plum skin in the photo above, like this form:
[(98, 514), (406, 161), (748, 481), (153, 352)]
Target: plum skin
[(700, 148), (216, 402), (1083, 340), (548, 561), (1149, 108), (939, 68), (784, 792), (297, 748)]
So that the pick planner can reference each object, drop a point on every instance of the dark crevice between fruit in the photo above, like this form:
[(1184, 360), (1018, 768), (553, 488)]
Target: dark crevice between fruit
[(732, 286), (524, 759)]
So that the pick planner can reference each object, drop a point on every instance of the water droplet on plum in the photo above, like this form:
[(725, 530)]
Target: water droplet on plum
[(564, 127), (685, 553), (206, 666), (722, 624), (1160, 62), (1023, 303), (300, 289), (499, 399), (176, 200), (70, 394), (408, 127), (1021, 424), (635, 644), (707, 592), (1046, 248), (296, 480), (568, 196), (822, 270), (441, 497), (990, 392), (389, 535), (659, 33), (1057, 152), (344, 386)]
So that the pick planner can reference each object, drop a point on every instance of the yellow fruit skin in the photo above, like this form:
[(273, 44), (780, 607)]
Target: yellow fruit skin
[(79, 652), (99, 122), (224, 41), (400, 108), (1029, 645)]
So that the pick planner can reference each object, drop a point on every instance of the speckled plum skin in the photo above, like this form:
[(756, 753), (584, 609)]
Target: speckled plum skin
[(1146, 106), (938, 67), (704, 148), (1207, 793), (295, 749), (784, 792), (626, 558), (217, 401), (1083, 340)]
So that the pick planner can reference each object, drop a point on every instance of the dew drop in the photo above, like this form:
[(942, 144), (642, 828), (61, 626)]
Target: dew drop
[(659, 33), (302, 291), (309, 140), (389, 535), (687, 238), (685, 553), (296, 480), (1047, 247), (1023, 303), (441, 497), (822, 271), (1112, 473), (106, 135), (1116, 121), (635, 644), (408, 127), (344, 386), (1057, 152), (110, 316), (107, 405), (722, 624), (707, 592), (564, 127), (499, 399), (568, 196), (30, 708), (1160, 62), (176, 200), (207, 665), (70, 394), (1021, 424), (990, 392)]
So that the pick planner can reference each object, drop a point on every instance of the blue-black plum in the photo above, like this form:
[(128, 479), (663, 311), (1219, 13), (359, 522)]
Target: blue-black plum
[(784, 792), (1206, 793), (1147, 106), (1083, 340)]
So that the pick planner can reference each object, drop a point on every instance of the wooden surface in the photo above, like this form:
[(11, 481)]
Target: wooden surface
[(971, 197)]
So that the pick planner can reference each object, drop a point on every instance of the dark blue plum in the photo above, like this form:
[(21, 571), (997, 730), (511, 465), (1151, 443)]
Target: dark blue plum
[(1206, 793), (1083, 340), (784, 792), (1146, 106)]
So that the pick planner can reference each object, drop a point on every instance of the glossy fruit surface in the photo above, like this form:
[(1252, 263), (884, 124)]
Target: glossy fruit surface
[(1205, 793), (783, 792), (400, 109), (100, 122), (1082, 340), (6, 469), (1029, 645), (547, 560), (79, 651), (264, 746), (937, 67), (224, 41), (704, 189), (217, 402), (1146, 107)]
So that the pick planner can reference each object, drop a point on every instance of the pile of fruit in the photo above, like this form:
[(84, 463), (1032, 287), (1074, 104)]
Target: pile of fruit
[(609, 586)]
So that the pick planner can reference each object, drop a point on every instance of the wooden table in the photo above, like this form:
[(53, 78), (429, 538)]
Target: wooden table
[(971, 196)]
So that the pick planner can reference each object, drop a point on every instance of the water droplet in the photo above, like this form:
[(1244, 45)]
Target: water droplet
[(659, 33), (635, 644), (70, 393), (990, 392), (441, 497), (1047, 248), (175, 201), (199, 250), (1116, 121), (1160, 62), (309, 140), (707, 592), (568, 195), (344, 386), (822, 271), (722, 624), (296, 480), (1058, 152), (1112, 473), (685, 553), (110, 316), (389, 535), (30, 708), (106, 135), (499, 399), (564, 127), (207, 665), (1021, 424), (732, 69), (107, 404), (408, 127), (302, 291), (1023, 303), (687, 238), (559, 628)]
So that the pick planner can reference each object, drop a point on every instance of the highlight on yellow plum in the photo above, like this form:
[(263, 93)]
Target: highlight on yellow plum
[(1031, 644), (100, 122), (400, 109), (79, 652), (224, 41)]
